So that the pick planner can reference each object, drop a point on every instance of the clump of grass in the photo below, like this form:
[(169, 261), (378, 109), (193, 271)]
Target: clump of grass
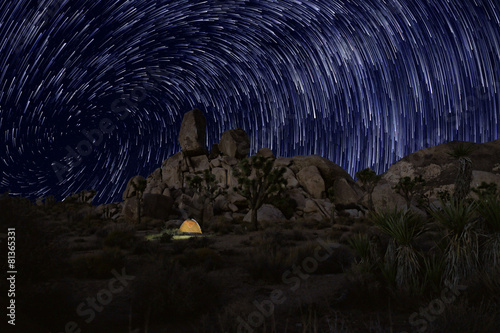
[(361, 245), (434, 268)]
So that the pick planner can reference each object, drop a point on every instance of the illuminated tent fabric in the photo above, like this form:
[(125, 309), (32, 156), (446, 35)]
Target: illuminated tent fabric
[(190, 226)]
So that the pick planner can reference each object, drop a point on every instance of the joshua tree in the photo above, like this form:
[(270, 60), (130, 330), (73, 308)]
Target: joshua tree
[(408, 187), (462, 152), (369, 180), (258, 181), (139, 188), (207, 188)]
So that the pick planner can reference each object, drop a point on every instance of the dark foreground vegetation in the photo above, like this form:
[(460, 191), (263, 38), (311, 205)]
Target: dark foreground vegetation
[(391, 271)]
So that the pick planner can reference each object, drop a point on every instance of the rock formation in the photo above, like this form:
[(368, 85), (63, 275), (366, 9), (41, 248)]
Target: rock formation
[(168, 196), (192, 133), (439, 171)]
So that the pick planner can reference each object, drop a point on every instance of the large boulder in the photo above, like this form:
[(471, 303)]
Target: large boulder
[(157, 206), (344, 192), (237, 199), (220, 176), (200, 163), (329, 171), (282, 162), (298, 196), (266, 153), (317, 209), (266, 213), (172, 170), (154, 183), (235, 143), (192, 133), (290, 178), (310, 178), (129, 190), (129, 210)]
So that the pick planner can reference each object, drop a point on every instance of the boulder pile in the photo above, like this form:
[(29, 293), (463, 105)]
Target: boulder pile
[(167, 194)]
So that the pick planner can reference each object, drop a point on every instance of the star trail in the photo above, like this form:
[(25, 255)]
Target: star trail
[(360, 82)]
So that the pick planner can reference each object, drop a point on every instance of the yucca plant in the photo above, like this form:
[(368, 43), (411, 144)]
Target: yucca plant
[(489, 210), (461, 152), (462, 250), (403, 227)]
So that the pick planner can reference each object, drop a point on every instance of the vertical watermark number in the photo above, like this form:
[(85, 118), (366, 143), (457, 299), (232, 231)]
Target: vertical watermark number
[(11, 275)]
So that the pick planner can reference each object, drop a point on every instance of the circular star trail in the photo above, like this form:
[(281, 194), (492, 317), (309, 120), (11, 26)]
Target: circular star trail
[(360, 82)]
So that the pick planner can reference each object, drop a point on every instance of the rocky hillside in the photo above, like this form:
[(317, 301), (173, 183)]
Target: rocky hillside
[(439, 170)]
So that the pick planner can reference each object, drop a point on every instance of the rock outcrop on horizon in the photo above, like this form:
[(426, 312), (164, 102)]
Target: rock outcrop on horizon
[(439, 170), (308, 177), (168, 196)]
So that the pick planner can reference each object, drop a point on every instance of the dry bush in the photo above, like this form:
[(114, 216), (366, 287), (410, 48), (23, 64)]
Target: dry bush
[(98, 265), (221, 226), (461, 316), (203, 257), (123, 239), (179, 246)]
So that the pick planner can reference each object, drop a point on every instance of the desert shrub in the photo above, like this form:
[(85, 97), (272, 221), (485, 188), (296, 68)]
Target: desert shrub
[(123, 239), (268, 261), (202, 257), (169, 292), (296, 235), (337, 262), (145, 247), (221, 226), (179, 246), (98, 265), (485, 287), (165, 238), (364, 288), (460, 316)]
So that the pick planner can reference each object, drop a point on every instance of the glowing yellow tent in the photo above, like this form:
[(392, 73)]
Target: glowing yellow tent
[(190, 226)]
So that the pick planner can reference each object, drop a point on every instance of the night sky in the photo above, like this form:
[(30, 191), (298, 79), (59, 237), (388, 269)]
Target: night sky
[(360, 82)]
